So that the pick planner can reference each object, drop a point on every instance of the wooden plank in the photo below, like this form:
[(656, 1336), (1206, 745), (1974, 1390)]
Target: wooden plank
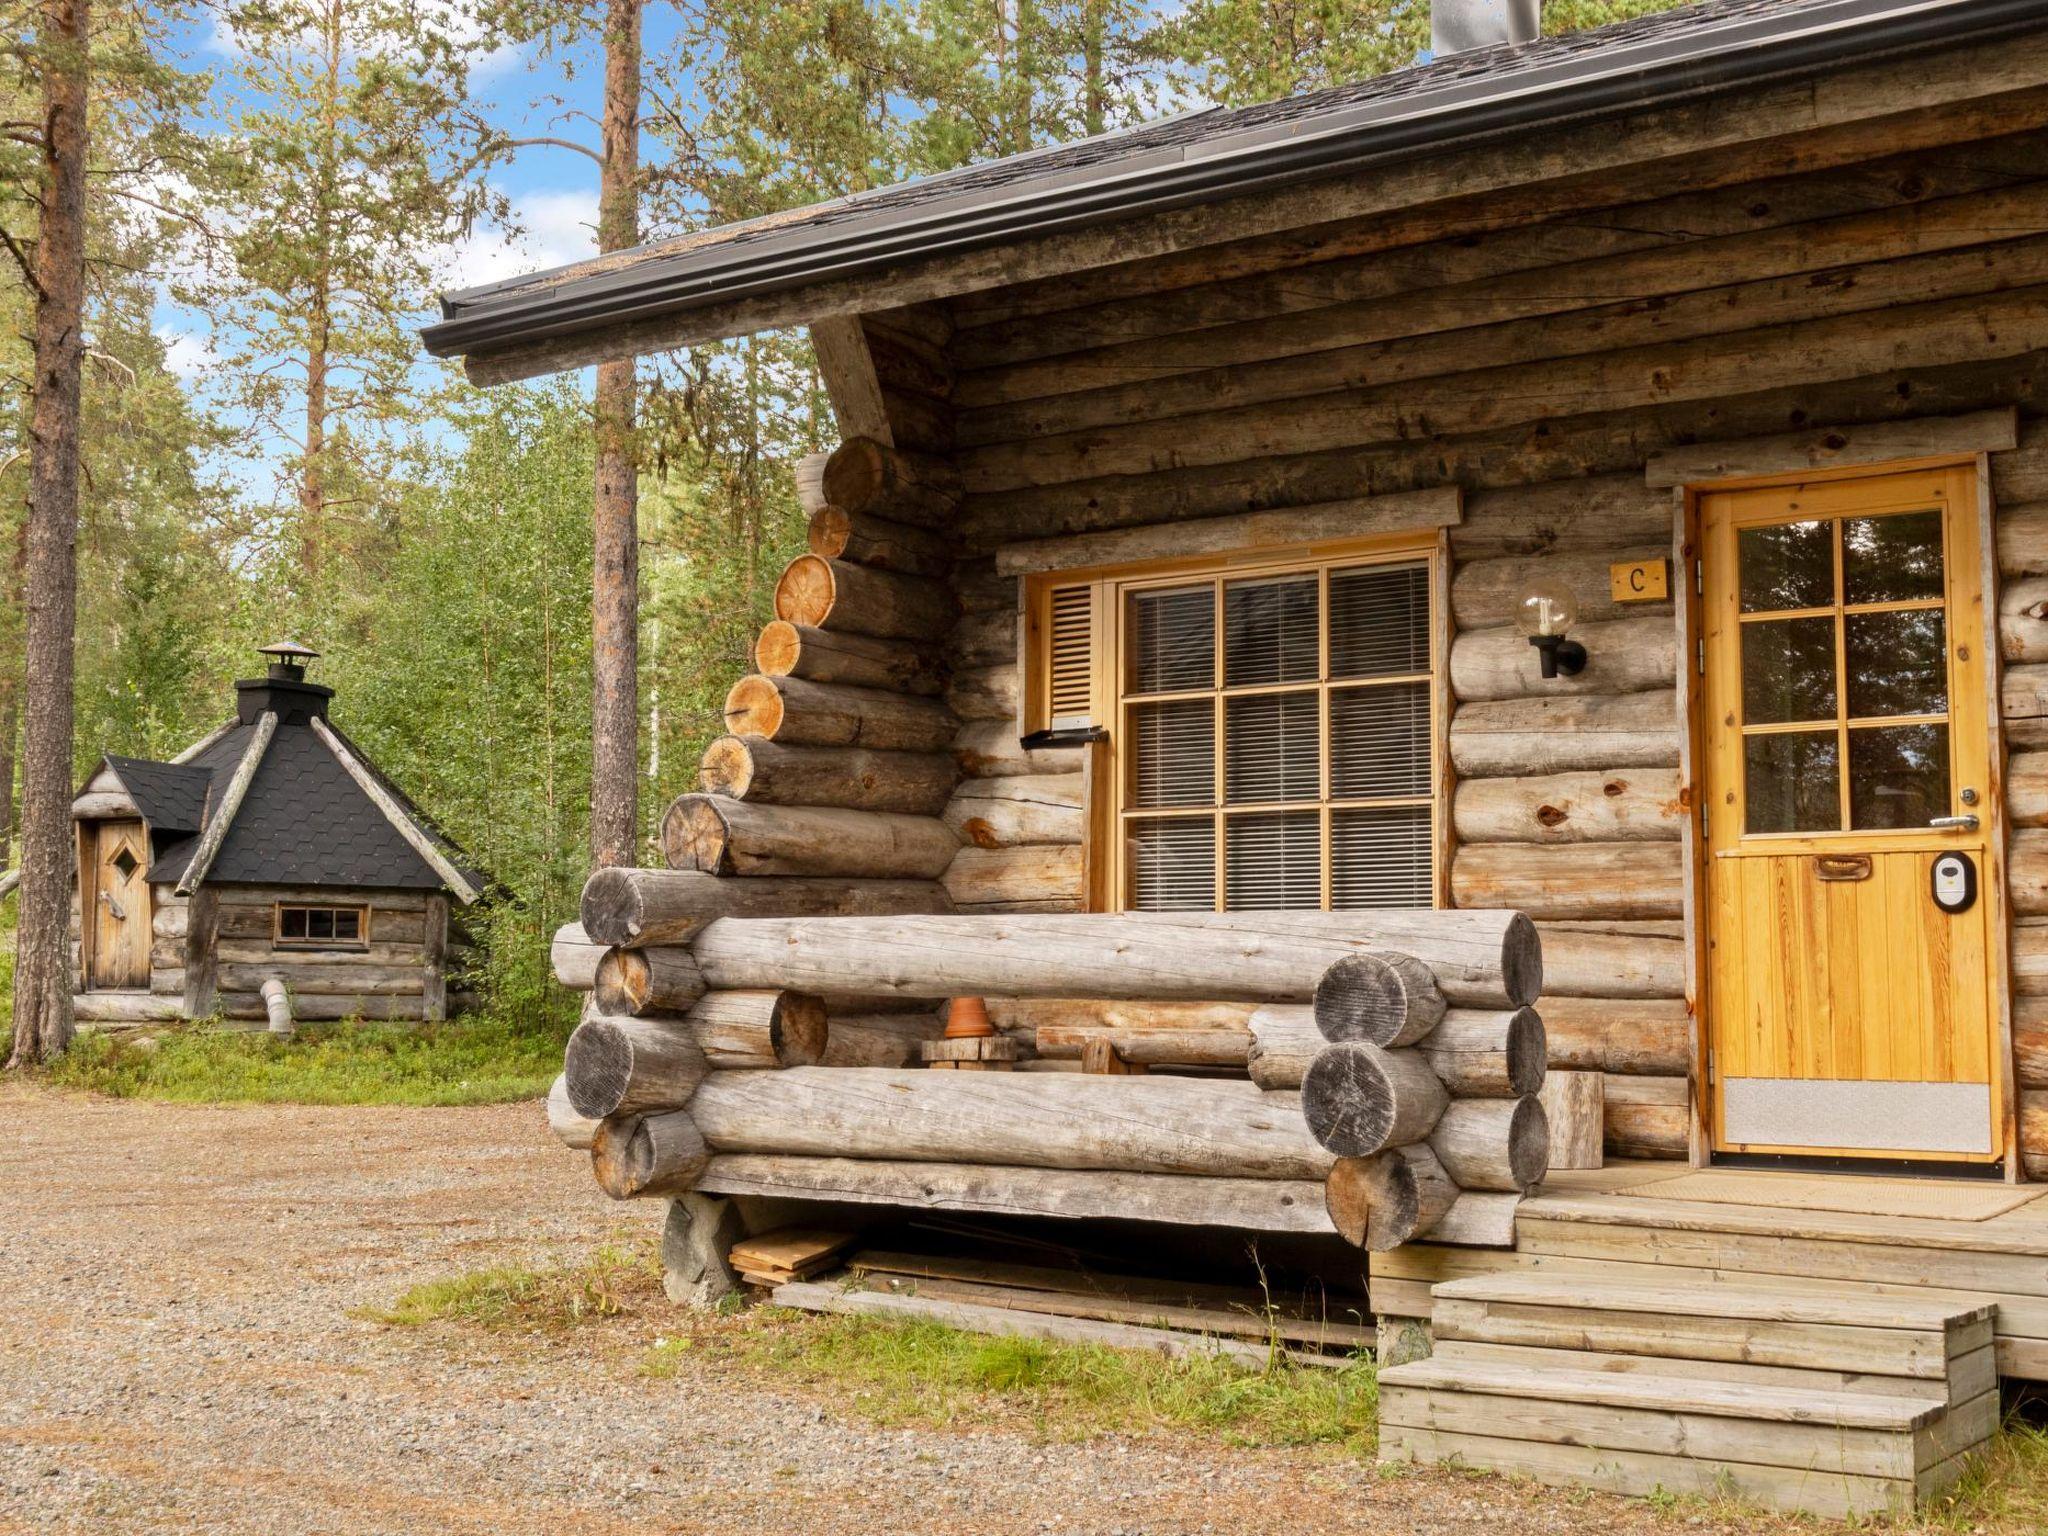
[(1644, 1210), (848, 369), (1969, 1378), (1273, 529), (1827, 448), (1848, 1306)]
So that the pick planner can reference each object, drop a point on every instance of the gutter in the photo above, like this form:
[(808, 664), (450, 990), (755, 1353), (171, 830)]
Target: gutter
[(1746, 51)]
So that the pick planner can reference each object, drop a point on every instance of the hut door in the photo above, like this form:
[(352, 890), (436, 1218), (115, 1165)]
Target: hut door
[(1850, 926), (120, 916)]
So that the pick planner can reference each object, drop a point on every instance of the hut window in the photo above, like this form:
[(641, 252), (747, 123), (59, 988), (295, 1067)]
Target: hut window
[(322, 927), (1273, 727)]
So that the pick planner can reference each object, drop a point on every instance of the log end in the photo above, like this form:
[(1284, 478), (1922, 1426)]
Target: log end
[(694, 835), (1521, 961), (1358, 1099), (829, 531), (1528, 1055), (726, 768), (597, 1068), (611, 910), (625, 983), (641, 1155), (753, 707), (857, 474), (800, 1029), (806, 591), (1529, 1145), (777, 650), (1381, 999)]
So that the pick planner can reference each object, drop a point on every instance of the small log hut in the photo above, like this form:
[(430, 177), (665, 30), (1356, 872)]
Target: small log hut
[(1287, 565), (269, 874)]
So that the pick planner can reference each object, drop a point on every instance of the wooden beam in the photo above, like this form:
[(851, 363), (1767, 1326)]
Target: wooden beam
[(1646, 152), (848, 369), (230, 802), (202, 952), (434, 970), (397, 815), (1357, 517), (1825, 448)]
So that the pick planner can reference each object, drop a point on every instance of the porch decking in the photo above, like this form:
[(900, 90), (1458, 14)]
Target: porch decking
[(1611, 1226)]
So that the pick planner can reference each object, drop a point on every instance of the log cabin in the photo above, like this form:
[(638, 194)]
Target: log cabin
[(269, 874), (1463, 663)]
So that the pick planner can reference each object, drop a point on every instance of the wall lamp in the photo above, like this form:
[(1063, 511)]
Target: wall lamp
[(1546, 615)]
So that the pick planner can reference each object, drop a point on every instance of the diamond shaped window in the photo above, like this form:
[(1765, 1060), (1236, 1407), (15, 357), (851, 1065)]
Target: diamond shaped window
[(125, 862)]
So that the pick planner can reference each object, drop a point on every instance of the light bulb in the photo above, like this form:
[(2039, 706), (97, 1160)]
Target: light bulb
[(1546, 611)]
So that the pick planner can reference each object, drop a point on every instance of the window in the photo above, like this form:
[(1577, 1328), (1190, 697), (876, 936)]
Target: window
[(322, 927), (1272, 728)]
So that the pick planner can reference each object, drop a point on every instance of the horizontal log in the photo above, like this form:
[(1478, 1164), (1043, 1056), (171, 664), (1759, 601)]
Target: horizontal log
[(1013, 812), (1575, 1104), (866, 476), (325, 980), (804, 714), (1495, 1144), (657, 979), (1479, 959), (1239, 1204), (169, 921), (1478, 1054), (124, 1008), (628, 1066), (759, 1030), (630, 908), (2026, 871), (1585, 515), (722, 836), (1027, 1015), (2023, 619), (1490, 592), (861, 538), (1653, 1131), (1284, 1043), (839, 596), (308, 1007), (1031, 878), (572, 1130), (1383, 999), (2034, 1134), (878, 1039), (1618, 805), (1149, 1047), (984, 640), (850, 778), (642, 1157), (2026, 789), (853, 661), (1359, 1099), (1597, 733), (1127, 1124), (1875, 443), (1622, 656), (2022, 535), (1618, 960), (987, 693), (1628, 1036), (1599, 880), (2030, 1041), (991, 749), (1477, 1219)]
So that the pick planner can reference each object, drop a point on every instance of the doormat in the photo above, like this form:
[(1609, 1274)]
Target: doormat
[(1936, 1199)]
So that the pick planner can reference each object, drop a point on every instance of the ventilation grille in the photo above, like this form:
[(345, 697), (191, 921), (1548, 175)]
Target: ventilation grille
[(1070, 673)]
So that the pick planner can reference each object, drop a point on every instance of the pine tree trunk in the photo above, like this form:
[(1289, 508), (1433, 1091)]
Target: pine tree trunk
[(42, 977), (615, 568)]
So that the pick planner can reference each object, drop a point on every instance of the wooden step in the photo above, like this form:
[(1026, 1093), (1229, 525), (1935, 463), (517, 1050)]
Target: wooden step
[(1848, 1330)]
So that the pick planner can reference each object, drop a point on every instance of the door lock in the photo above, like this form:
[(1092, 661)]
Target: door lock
[(1963, 823)]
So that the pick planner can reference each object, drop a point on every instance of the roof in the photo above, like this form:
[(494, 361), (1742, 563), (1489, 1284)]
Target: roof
[(1216, 153), (303, 819)]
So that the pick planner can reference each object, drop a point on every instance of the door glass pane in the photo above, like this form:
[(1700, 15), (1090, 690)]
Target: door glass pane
[(1898, 776), (1891, 559), (1791, 782), (1271, 751), (1379, 741), (1379, 621), (1273, 861), (1381, 857), (1898, 663), (1173, 753), (1173, 865), (1788, 671), (1787, 565), (1173, 640), (1269, 630)]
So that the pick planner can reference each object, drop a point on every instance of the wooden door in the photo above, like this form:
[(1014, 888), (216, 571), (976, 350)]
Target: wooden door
[(120, 916), (1847, 755)]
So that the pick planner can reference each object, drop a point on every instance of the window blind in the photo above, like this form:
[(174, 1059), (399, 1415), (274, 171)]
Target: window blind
[(1070, 663)]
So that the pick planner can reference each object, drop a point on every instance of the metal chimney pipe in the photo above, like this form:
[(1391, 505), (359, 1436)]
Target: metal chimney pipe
[(1458, 25)]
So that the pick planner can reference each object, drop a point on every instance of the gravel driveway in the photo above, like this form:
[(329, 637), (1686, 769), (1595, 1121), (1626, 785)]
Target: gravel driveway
[(177, 1355)]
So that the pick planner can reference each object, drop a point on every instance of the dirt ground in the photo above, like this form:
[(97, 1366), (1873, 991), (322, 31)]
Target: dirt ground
[(177, 1354)]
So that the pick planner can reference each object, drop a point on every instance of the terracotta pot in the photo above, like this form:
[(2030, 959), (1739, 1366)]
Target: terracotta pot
[(967, 1019)]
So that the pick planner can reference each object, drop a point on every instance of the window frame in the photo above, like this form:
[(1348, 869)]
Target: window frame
[(1109, 809), (362, 909)]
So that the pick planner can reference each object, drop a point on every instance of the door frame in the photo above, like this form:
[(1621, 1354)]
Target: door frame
[(1693, 739)]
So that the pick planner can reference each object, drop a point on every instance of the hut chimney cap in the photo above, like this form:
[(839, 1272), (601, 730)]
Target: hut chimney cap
[(1456, 26), (288, 660)]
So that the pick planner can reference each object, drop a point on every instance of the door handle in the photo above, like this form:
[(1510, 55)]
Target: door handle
[(1963, 823), (114, 907), (1842, 866)]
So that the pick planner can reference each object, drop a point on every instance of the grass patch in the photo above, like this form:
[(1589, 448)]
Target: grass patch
[(924, 1373), (476, 1059), (609, 1284), (2006, 1490)]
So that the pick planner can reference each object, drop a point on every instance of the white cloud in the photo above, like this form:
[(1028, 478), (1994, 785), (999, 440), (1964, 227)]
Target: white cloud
[(556, 226), (188, 354)]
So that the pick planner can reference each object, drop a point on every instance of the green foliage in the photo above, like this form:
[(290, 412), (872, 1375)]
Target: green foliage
[(479, 1059), (530, 1300)]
